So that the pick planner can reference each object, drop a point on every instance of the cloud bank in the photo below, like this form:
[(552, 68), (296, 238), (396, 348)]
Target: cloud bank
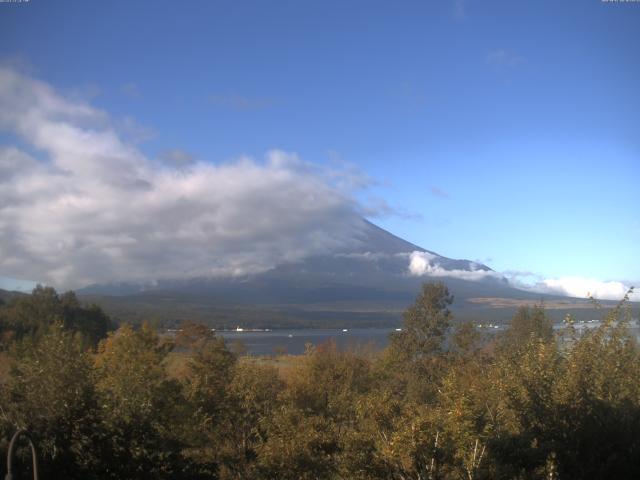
[(425, 263), (80, 204), (581, 287)]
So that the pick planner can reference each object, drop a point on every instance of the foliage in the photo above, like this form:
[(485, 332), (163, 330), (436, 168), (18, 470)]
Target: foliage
[(50, 392), (441, 402), (30, 315), (141, 408)]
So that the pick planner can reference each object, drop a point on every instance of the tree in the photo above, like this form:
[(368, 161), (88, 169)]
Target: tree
[(50, 393), (142, 409), (528, 324), (90, 320), (416, 359), (30, 315), (466, 341), (205, 388), (599, 402), (193, 336), (314, 429), (253, 396), (426, 323)]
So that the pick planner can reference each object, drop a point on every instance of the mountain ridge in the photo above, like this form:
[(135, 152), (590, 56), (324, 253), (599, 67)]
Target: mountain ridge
[(368, 284), (379, 253)]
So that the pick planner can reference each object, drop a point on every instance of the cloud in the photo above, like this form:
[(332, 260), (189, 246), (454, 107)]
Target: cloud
[(234, 101), (504, 58), (370, 256), (84, 93), (425, 263), (18, 62), (176, 158), (345, 174), (571, 286), (420, 263), (93, 208), (581, 287)]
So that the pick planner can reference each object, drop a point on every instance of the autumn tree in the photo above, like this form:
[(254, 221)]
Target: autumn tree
[(205, 386), (426, 323), (142, 409), (599, 402), (528, 323), (253, 396), (30, 315), (50, 393), (416, 354)]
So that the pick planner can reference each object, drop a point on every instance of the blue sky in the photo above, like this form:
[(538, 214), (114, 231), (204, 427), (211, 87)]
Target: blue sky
[(505, 132)]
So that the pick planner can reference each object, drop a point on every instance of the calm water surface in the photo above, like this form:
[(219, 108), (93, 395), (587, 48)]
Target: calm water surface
[(293, 341)]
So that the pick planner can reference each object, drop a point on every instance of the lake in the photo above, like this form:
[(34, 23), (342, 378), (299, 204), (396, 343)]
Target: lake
[(293, 341)]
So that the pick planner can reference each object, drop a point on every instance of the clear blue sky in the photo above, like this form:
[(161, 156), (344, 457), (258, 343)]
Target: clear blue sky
[(507, 132)]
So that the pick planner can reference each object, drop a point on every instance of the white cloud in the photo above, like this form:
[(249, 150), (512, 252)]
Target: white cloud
[(419, 263), (581, 287), (571, 286), (425, 263), (93, 208)]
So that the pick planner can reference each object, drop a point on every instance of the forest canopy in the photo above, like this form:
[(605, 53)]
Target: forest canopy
[(440, 402)]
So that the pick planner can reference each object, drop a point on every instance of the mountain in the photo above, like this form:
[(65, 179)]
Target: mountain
[(7, 295), (365, 285), (379, 261)]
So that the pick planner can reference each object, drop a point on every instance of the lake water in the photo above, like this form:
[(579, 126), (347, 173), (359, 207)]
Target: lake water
[(293, 341)]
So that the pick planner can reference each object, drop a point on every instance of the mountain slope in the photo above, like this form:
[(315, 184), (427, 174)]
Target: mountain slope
[(7, 295), (368, 284)]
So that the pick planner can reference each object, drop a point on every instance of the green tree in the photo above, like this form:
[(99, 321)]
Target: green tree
[(205, 387), (426, 323), (90, 320), (416, 357), (311, 434), (466, 341), (30, 315), (599, 402), (529, 323), (253, 396), (50, 393), (142, 409), (299, 446)]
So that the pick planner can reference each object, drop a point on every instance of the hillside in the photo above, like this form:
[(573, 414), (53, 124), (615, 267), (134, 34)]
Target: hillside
[(368, 285)]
